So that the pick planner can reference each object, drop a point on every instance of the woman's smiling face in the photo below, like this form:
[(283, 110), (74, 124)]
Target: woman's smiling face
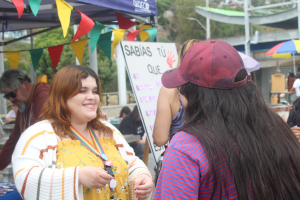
[(83, 106)]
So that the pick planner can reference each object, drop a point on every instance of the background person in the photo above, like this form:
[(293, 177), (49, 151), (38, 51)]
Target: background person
[(124, 111), (29, 98), (294, 115), (62, 151), (296, 87), (170, 111), (233, 146), (132, 124), (294, 118), (11, 115), (290, 81)]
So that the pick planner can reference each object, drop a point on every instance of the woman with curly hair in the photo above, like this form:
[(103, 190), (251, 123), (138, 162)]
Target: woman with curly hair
[(73, 154)]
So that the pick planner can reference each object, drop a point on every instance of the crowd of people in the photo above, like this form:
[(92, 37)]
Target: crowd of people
[(224, 141)]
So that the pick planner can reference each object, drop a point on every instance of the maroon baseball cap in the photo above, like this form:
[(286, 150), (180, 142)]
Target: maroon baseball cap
[(211, 64)]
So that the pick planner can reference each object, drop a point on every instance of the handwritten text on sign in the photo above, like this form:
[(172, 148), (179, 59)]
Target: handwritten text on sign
[(145, 64)]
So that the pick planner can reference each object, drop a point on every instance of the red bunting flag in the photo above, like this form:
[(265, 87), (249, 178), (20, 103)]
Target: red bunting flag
[(55, 53), (20, 6), (124, 23), (131, 35), (86, 24)]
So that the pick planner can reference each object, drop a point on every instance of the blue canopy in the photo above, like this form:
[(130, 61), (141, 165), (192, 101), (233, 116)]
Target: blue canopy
[(47, 16), (139, 7)]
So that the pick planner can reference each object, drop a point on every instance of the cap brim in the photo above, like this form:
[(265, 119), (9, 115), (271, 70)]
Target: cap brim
[(171, 79)]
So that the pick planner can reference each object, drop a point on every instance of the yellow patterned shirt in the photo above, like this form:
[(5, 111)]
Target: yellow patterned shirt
[(71, 153)]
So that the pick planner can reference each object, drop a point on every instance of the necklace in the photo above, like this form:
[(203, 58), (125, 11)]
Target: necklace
[(97, 150)]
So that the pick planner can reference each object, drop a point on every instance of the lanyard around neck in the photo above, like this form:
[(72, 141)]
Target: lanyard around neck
[(96, 148), (25, 114)]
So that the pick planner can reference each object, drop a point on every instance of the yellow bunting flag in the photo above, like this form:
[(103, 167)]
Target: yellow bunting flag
[(13, 58), (118, 36), (144, 35), (64, 14), (78, 48)]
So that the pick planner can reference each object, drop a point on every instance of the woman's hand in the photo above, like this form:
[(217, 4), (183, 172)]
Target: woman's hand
[(93, 177), (143, 186), (296, 131)]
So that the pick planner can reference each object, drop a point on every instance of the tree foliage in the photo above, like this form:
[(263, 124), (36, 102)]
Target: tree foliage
[(181, 29), (107, 70), (24, 55)]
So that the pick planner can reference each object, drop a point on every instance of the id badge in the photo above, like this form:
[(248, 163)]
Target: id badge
[(109, 170)]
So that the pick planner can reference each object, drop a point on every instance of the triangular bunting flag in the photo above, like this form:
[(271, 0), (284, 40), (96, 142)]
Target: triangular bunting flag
[(36, 55), (13, 58), (86, 24), (152, 33), (64, 14), (118, 36), (34, 6), (131, 35), (19, 6), (124, 23), (78, 48), (104, 43), (95, 34), (144, 35), (55, 53)]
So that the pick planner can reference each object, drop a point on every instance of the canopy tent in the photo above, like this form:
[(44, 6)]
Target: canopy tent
[(47, 16), (102, 11)]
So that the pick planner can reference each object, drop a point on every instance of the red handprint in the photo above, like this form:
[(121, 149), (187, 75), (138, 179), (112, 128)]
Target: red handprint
[(170, 59)]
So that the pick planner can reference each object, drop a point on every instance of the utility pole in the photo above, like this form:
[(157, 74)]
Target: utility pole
[(247, 34), (208, 23), (32, 72), (298, 7)]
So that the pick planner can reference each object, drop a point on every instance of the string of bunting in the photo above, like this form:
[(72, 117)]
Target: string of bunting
[(86, 25)]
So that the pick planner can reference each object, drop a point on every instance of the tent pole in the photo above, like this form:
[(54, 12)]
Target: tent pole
[(3, 109), (30, 35), (122, 90), (75, 30), (32, 72), (294, 63), (153, 20), (93, 58), (121, 76)]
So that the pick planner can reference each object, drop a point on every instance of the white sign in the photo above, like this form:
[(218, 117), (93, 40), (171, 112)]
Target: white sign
[(146, 62)]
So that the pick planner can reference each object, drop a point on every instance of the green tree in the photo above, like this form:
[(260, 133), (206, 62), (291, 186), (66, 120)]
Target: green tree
[(24, 55), (180, 29), (106, 68)]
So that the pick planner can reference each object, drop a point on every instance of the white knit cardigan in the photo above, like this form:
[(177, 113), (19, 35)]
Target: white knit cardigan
[(34, 165)]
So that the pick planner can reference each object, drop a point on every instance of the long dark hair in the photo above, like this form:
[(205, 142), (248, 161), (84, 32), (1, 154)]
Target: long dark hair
[(268, 152), (135, 115), (125, 110)]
